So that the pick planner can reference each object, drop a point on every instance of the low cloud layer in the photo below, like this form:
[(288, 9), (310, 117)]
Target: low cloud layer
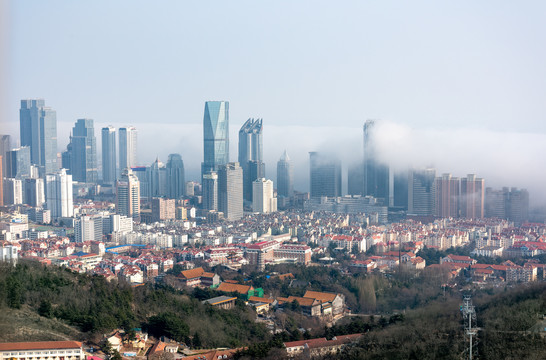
[(502, 158)]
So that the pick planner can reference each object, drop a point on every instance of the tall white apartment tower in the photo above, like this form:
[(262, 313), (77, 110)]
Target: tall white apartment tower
[(128, 195), (127, 147), (262, 196), (59, 194)]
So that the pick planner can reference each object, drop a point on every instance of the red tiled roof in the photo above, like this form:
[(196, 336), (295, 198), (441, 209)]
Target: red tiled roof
[(39, 345)]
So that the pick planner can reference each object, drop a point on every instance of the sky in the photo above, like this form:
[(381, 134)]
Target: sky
[(458, 85)]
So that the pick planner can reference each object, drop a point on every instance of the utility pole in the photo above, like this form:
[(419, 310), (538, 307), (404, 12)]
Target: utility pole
[(469, 318)]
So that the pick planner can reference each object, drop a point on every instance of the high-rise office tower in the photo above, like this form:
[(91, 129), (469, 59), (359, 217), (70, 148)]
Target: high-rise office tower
[(496, 203), (18, 163), (400, 188), (13, 191), (1, 180), (355, 179), (5, 146), (210, 191), (472, 197), (83, 160), (215, 136), (127, 147), (157, 179), (376, 173), (230, 191), (34, 192), (421, 190), (447, 196), (38, 128), (109, 154), (285, 176), (128, 195), (251, 149), (59, 196), (325, 175), (262, 196), (176, 182)]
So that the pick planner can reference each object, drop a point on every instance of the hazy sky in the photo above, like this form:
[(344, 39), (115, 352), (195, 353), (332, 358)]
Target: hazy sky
[(460, 85)]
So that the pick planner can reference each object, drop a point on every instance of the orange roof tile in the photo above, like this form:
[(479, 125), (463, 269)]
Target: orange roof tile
[(39, 345), (322, 296)]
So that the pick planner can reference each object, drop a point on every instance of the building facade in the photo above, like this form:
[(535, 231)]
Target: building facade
[(447, 196), (472, 197), (59, 194), (215, 136), (285, 176), (421, 192), (109, 154), (83, 157), (230, 191), (251, 150), (127, 147), (376, 173), (325, 175), (263, 200), (176, 181), (128, 195)]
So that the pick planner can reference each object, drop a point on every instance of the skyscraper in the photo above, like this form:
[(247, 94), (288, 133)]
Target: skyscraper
[(5, 146), (421, 190), (325, 175), (127, 147), (128, 195), (210, 191), (1, 181), (472, 197), (251, 149), (59, 197), (518, 209), (376, 174), (38, 128), (176, 182), (285, 176), (355, 179), (109, 163), (230, 191), (18, 163), (215, 135), (157, 179), (13, 191), (34, 192), (447, 196), (262, 197), (84, 152)]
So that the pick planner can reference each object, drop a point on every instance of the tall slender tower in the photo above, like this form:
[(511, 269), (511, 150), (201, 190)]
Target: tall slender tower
[(376, 174), (210, 191), (215, 135), (1, 181), (176, 183), (18, 163), (325, 175), (127, 147), (262, 197), (5, 146), (84, 152), (128, 195), (251, 154), (447, 196), (109, 163), (38, 128), (230, 191), (472, 197), (285, 176), (421, 190), (59, 197)]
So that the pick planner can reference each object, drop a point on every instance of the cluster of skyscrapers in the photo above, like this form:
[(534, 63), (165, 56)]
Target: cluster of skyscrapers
[(33, 174)]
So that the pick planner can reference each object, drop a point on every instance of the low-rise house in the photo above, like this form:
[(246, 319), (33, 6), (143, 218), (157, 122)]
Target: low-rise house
[(319, 347), (221, 302), (459, 259), (337, 301)]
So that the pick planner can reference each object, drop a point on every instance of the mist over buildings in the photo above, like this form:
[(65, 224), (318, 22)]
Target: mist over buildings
[(512, 159)]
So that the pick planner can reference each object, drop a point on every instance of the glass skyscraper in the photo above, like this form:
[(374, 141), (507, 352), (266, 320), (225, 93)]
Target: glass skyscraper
[(215, 135), (285, 176), (325, 175), (251, 154), (176, 182), (84, 152), (376, 174), (38, 128), (109, 154)]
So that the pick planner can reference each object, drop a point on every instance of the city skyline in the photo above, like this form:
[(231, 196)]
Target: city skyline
[(446, 92)]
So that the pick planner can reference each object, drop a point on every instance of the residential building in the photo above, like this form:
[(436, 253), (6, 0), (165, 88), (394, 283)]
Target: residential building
[(421, 192), (263, 200), (59, 196), (163, 209), (127, 147), (13, 191), (34, 192), (5, 146), (472, 197), (230, 191), (88, 228), (447, 196), (297, 252), (128, 195), (53, 350)]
